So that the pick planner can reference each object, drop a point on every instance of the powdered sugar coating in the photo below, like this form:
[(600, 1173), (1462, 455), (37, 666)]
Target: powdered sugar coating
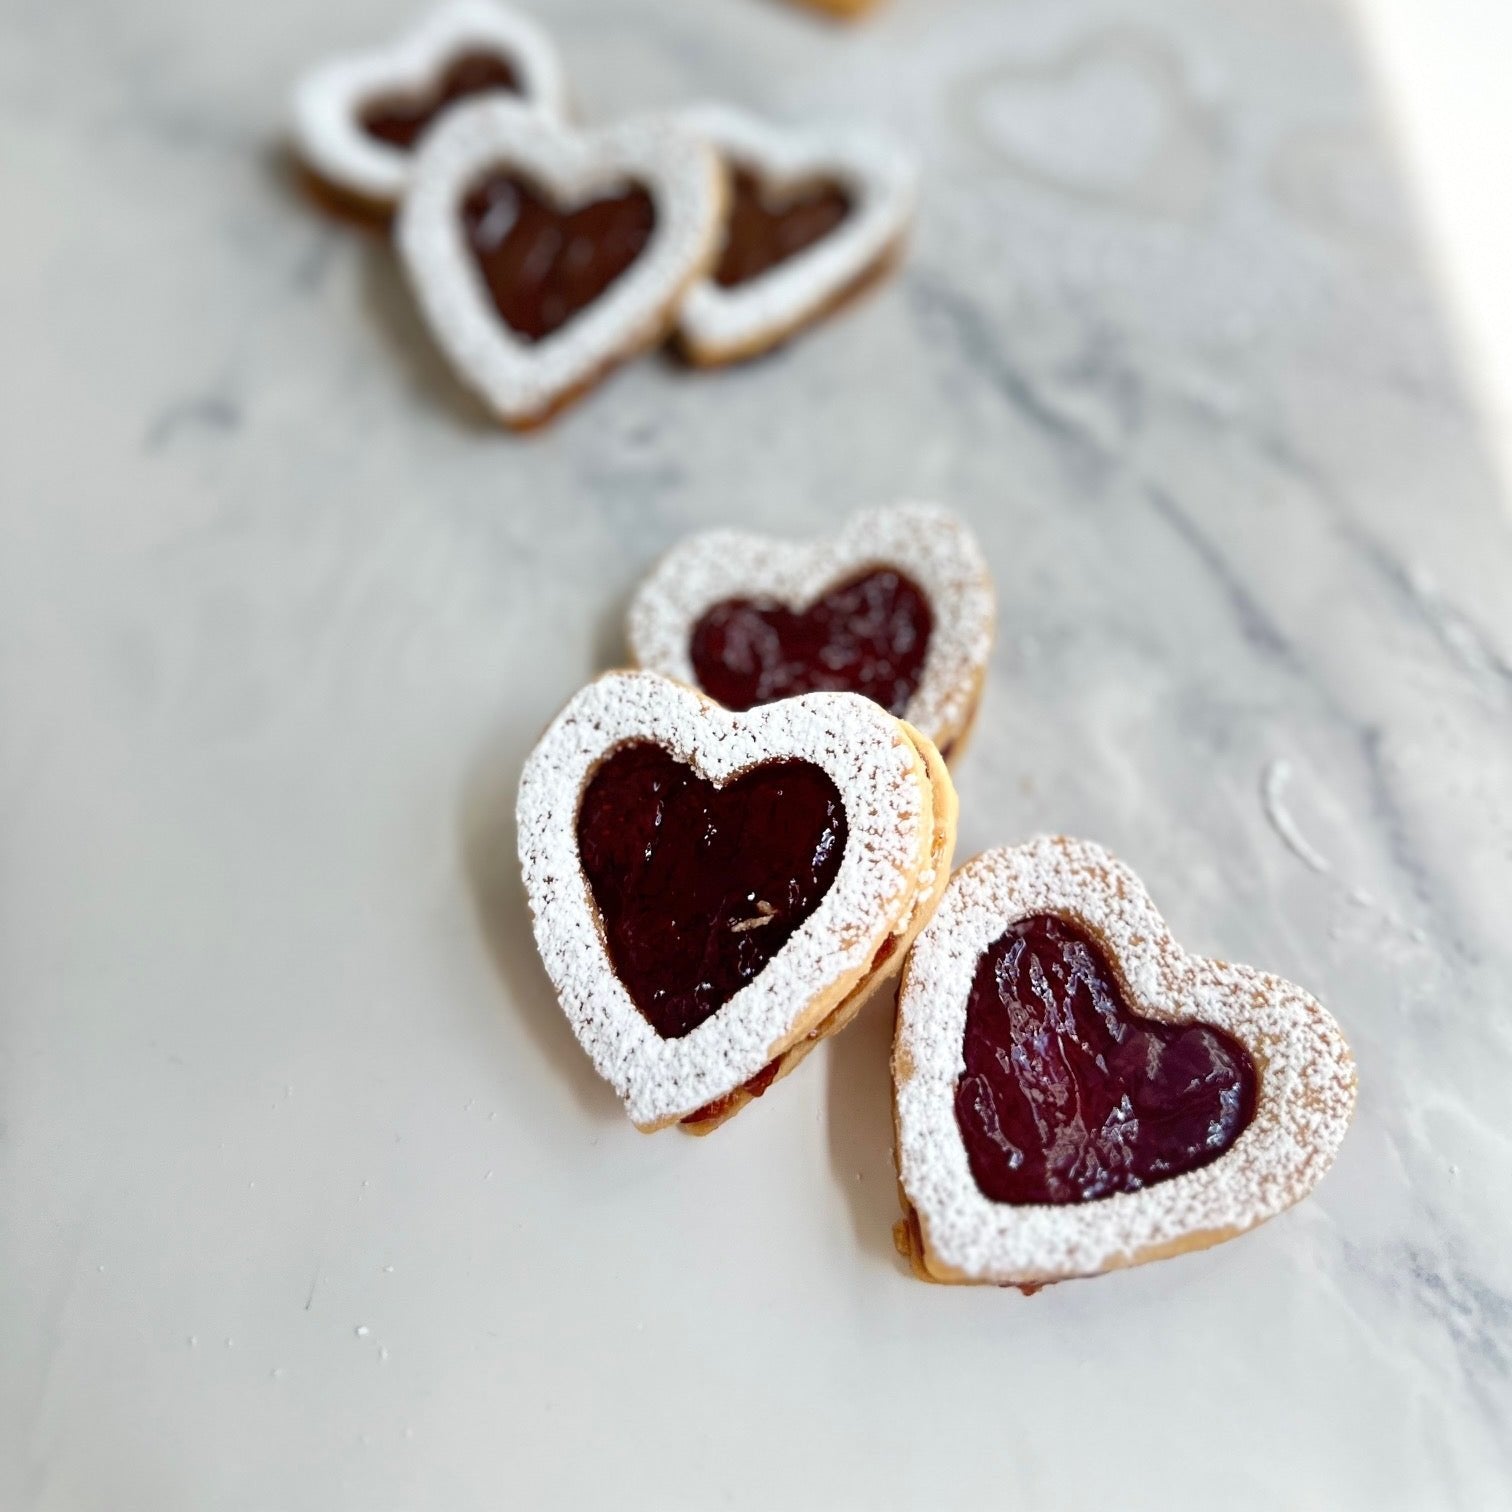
[(876, 770), (719, 324), (329, 101), (523, 382), (1306, 1076), (927, 543)]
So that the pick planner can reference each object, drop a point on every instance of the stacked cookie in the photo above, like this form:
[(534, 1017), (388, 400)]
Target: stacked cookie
[(543, 255), (714, 892), (730, 850)]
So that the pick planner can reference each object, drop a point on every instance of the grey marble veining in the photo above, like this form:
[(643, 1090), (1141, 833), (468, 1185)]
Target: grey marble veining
[(280, 613)]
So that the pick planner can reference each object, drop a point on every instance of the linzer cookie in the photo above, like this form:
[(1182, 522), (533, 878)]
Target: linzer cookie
[(358, 119), (714, 892), (542, 257), (812, 217), (1075, 1093), (898, 606)]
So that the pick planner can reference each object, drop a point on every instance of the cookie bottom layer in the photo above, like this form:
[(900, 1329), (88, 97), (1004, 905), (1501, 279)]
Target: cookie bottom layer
[(336, 200), (953, 745)]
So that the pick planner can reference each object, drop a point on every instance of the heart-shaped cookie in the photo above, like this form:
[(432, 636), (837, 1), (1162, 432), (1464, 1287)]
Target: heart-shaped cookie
[(357, 120), (713, 893), (542, 257), (811, 218), (898, 606), (1075, 1093)]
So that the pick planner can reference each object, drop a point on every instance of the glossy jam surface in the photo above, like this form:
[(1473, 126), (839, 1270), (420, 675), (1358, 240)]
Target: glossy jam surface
[(765, 229), (399, 119), (699, 887), (868, 636), (1068, 1095), (542, 265)]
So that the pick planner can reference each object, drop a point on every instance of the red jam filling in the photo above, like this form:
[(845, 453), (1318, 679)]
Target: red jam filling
[(399, 119), (698, 886), (543, 265), (764, 229), (731, 1101), (1068, 1095), (868, 636)]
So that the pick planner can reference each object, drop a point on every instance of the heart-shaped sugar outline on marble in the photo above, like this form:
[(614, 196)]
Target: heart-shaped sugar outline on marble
[(927, 545), (882, 874), (719, 323), (1114, 119), (1305, 1083), (332, 102), (524, 381)]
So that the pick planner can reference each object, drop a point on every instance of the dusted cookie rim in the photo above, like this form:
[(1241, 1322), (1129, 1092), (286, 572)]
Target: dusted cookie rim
[(723, 324), (329, 101), (931, 546), (886, 790), (1305, 1096)]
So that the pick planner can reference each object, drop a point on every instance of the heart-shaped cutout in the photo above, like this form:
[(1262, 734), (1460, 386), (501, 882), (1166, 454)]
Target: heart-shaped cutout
[(1066, 1094), (700, 886), (401, 119), (812, 217), (766, 226), (868, 635), (543, 265), (703, 909), (1075, 1093), (542, 257), (358, 119), (898, 607)]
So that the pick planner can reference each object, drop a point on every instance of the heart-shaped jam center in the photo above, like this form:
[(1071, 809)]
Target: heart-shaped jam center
[(1067, 1095), (699, 886), (543, 265), (764, 229), (399, 119), (869, 635)]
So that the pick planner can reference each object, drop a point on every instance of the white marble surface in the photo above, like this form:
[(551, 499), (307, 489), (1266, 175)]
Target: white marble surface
[(308, 1200)]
